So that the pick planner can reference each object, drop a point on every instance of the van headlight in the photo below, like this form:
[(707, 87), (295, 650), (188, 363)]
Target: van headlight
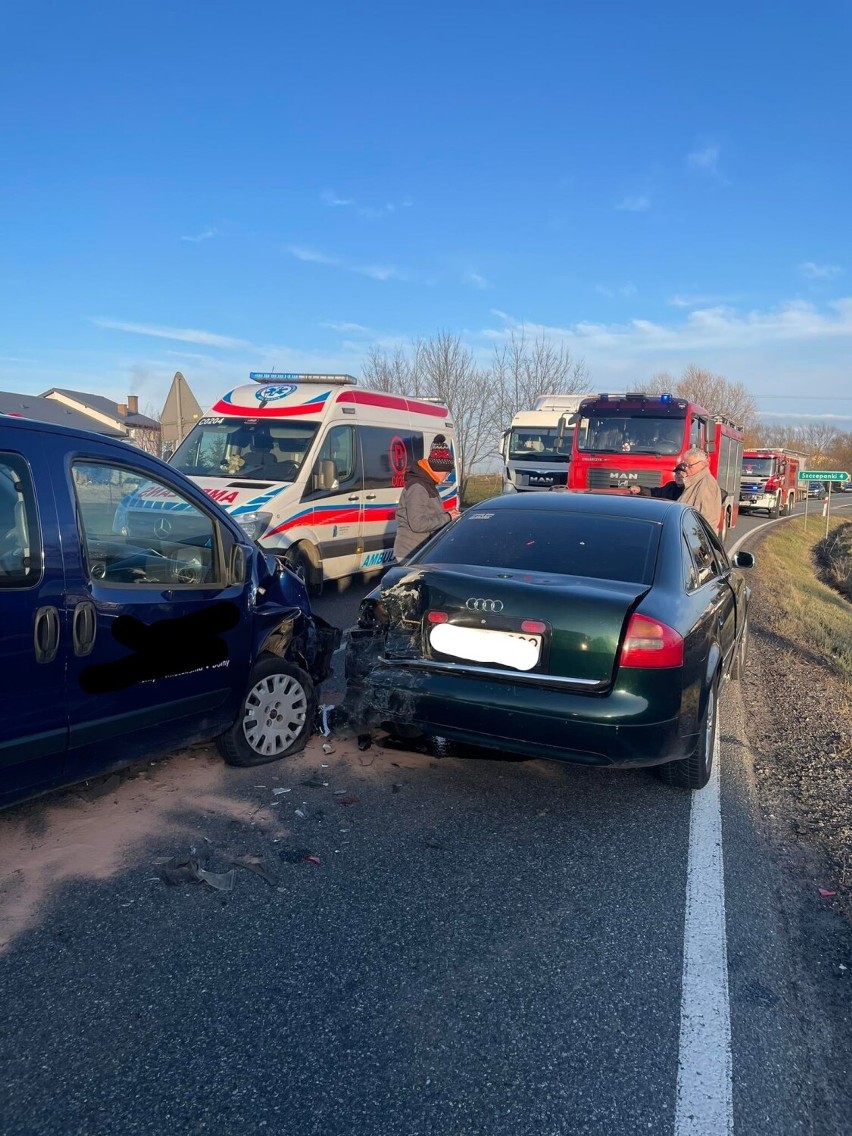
[(254, 525)]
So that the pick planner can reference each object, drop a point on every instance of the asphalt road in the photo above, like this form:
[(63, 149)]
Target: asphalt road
[(485, 946)]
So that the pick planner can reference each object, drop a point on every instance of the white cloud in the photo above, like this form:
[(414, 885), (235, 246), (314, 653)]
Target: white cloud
[(374, 271), (813, 271), (182, 334), (312, 256), (205, 236), (637, 204), (704, 329), (344, 326), (706, 160), (377, 271), (329, 197), (475, 280), (680, 301)]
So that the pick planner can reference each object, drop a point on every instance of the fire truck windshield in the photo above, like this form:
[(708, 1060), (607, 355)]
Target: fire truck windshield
[(758, 467), (625, 433)]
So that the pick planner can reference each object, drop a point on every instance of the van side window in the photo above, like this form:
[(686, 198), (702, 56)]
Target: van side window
[(136, 530), (20, 545), (336, 463)]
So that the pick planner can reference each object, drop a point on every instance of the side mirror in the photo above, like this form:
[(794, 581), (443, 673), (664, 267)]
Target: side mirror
[(742, 560), (560, 432), (503, 447)]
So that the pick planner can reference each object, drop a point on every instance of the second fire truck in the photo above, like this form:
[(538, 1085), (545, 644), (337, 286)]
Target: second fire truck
[(770, 481)]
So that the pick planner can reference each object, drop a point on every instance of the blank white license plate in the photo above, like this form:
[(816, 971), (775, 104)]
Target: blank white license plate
[(480, 645)]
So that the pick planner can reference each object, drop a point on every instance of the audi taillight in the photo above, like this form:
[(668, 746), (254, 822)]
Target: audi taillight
[(650, 643), (437, 617)]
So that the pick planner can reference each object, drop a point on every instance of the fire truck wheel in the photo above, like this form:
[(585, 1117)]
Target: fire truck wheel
[(775, 511), (693, 772)]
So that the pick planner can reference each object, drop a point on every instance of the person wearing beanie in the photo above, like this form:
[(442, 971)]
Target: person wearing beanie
[(420, 511)]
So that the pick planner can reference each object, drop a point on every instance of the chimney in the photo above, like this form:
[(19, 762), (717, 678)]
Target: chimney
[(133, 403), (122, 410)]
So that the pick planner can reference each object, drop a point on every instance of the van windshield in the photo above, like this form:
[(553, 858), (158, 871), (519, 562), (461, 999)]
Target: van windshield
[(245, 448)]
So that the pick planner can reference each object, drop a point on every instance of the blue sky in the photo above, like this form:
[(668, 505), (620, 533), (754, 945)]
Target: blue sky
[(217, 188)]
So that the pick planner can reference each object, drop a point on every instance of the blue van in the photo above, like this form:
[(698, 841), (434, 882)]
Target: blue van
[(118, 645)]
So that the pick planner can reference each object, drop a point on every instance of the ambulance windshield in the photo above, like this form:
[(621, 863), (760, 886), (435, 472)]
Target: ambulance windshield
[(246, 448)]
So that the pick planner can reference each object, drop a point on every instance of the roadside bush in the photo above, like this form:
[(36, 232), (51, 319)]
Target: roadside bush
[(833, 559), (480, 487)]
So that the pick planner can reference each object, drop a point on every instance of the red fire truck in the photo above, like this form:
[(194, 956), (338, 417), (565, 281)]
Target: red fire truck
[(637, 439), (769, 481)]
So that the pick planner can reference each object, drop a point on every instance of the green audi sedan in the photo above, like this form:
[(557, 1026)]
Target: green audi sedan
[(583, 627)]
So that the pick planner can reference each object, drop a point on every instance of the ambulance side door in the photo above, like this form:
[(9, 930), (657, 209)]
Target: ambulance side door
[(335, 498)]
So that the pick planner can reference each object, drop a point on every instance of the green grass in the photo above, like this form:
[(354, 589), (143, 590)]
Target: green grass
[(481, 486), (812, 613)]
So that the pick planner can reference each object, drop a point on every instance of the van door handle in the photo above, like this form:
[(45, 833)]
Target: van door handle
[(84, 628), (371, 496), (46, 634), (353, 497)]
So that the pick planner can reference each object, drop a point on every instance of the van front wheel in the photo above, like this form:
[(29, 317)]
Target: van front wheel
[(277, 715)]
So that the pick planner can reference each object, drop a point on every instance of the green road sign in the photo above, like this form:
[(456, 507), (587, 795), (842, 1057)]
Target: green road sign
[(824, 475)]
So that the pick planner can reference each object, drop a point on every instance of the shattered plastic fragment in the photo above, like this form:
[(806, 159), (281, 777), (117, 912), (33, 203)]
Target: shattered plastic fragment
[(312, 860), (324, 712), (327, 748), (301, 814), (825, 893), (349, 801), (278, 792), (315, 783), (221, 881)]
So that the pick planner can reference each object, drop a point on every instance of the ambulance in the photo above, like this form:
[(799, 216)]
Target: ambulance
[(312, 466)]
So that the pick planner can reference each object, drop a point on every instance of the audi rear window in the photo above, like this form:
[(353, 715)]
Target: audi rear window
[(597, 547)]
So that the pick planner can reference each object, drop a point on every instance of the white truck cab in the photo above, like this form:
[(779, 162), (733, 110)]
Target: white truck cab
[(536, 449)]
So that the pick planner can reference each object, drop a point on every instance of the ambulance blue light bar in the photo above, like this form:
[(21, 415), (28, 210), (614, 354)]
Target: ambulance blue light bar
[(288, 377)]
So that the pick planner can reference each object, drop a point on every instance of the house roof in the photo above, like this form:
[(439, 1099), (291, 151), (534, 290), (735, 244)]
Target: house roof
[(106, 406), (49, 410)]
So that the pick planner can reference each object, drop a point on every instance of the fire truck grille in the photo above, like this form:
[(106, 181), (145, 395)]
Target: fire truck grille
[(623, 478)]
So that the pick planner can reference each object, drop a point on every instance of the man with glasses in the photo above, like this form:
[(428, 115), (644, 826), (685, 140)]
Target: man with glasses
[(700, 488)]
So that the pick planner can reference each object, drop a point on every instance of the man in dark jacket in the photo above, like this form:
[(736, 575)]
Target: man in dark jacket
[(420, 511), (671, 491)]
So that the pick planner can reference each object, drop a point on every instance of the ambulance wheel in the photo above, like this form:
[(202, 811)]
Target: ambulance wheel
[(276, 717), (303, 559)]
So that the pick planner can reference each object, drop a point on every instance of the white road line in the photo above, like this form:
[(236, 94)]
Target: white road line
[(704, 1099)]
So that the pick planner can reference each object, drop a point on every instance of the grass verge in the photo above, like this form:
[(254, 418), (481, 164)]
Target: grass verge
[(813, 613)]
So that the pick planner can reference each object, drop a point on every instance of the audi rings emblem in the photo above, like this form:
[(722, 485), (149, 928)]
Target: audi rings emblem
[(163, 526), (484, 605)]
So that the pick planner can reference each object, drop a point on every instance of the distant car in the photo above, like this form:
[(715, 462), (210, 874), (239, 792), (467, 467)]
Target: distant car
[(816, 489), (588, 628)]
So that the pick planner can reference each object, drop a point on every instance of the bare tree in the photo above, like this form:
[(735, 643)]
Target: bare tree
[(523, 369), (718, 395), (442, 368)]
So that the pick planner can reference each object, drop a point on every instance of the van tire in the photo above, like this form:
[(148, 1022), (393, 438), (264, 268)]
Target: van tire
[(304, 560), (276, 717)]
